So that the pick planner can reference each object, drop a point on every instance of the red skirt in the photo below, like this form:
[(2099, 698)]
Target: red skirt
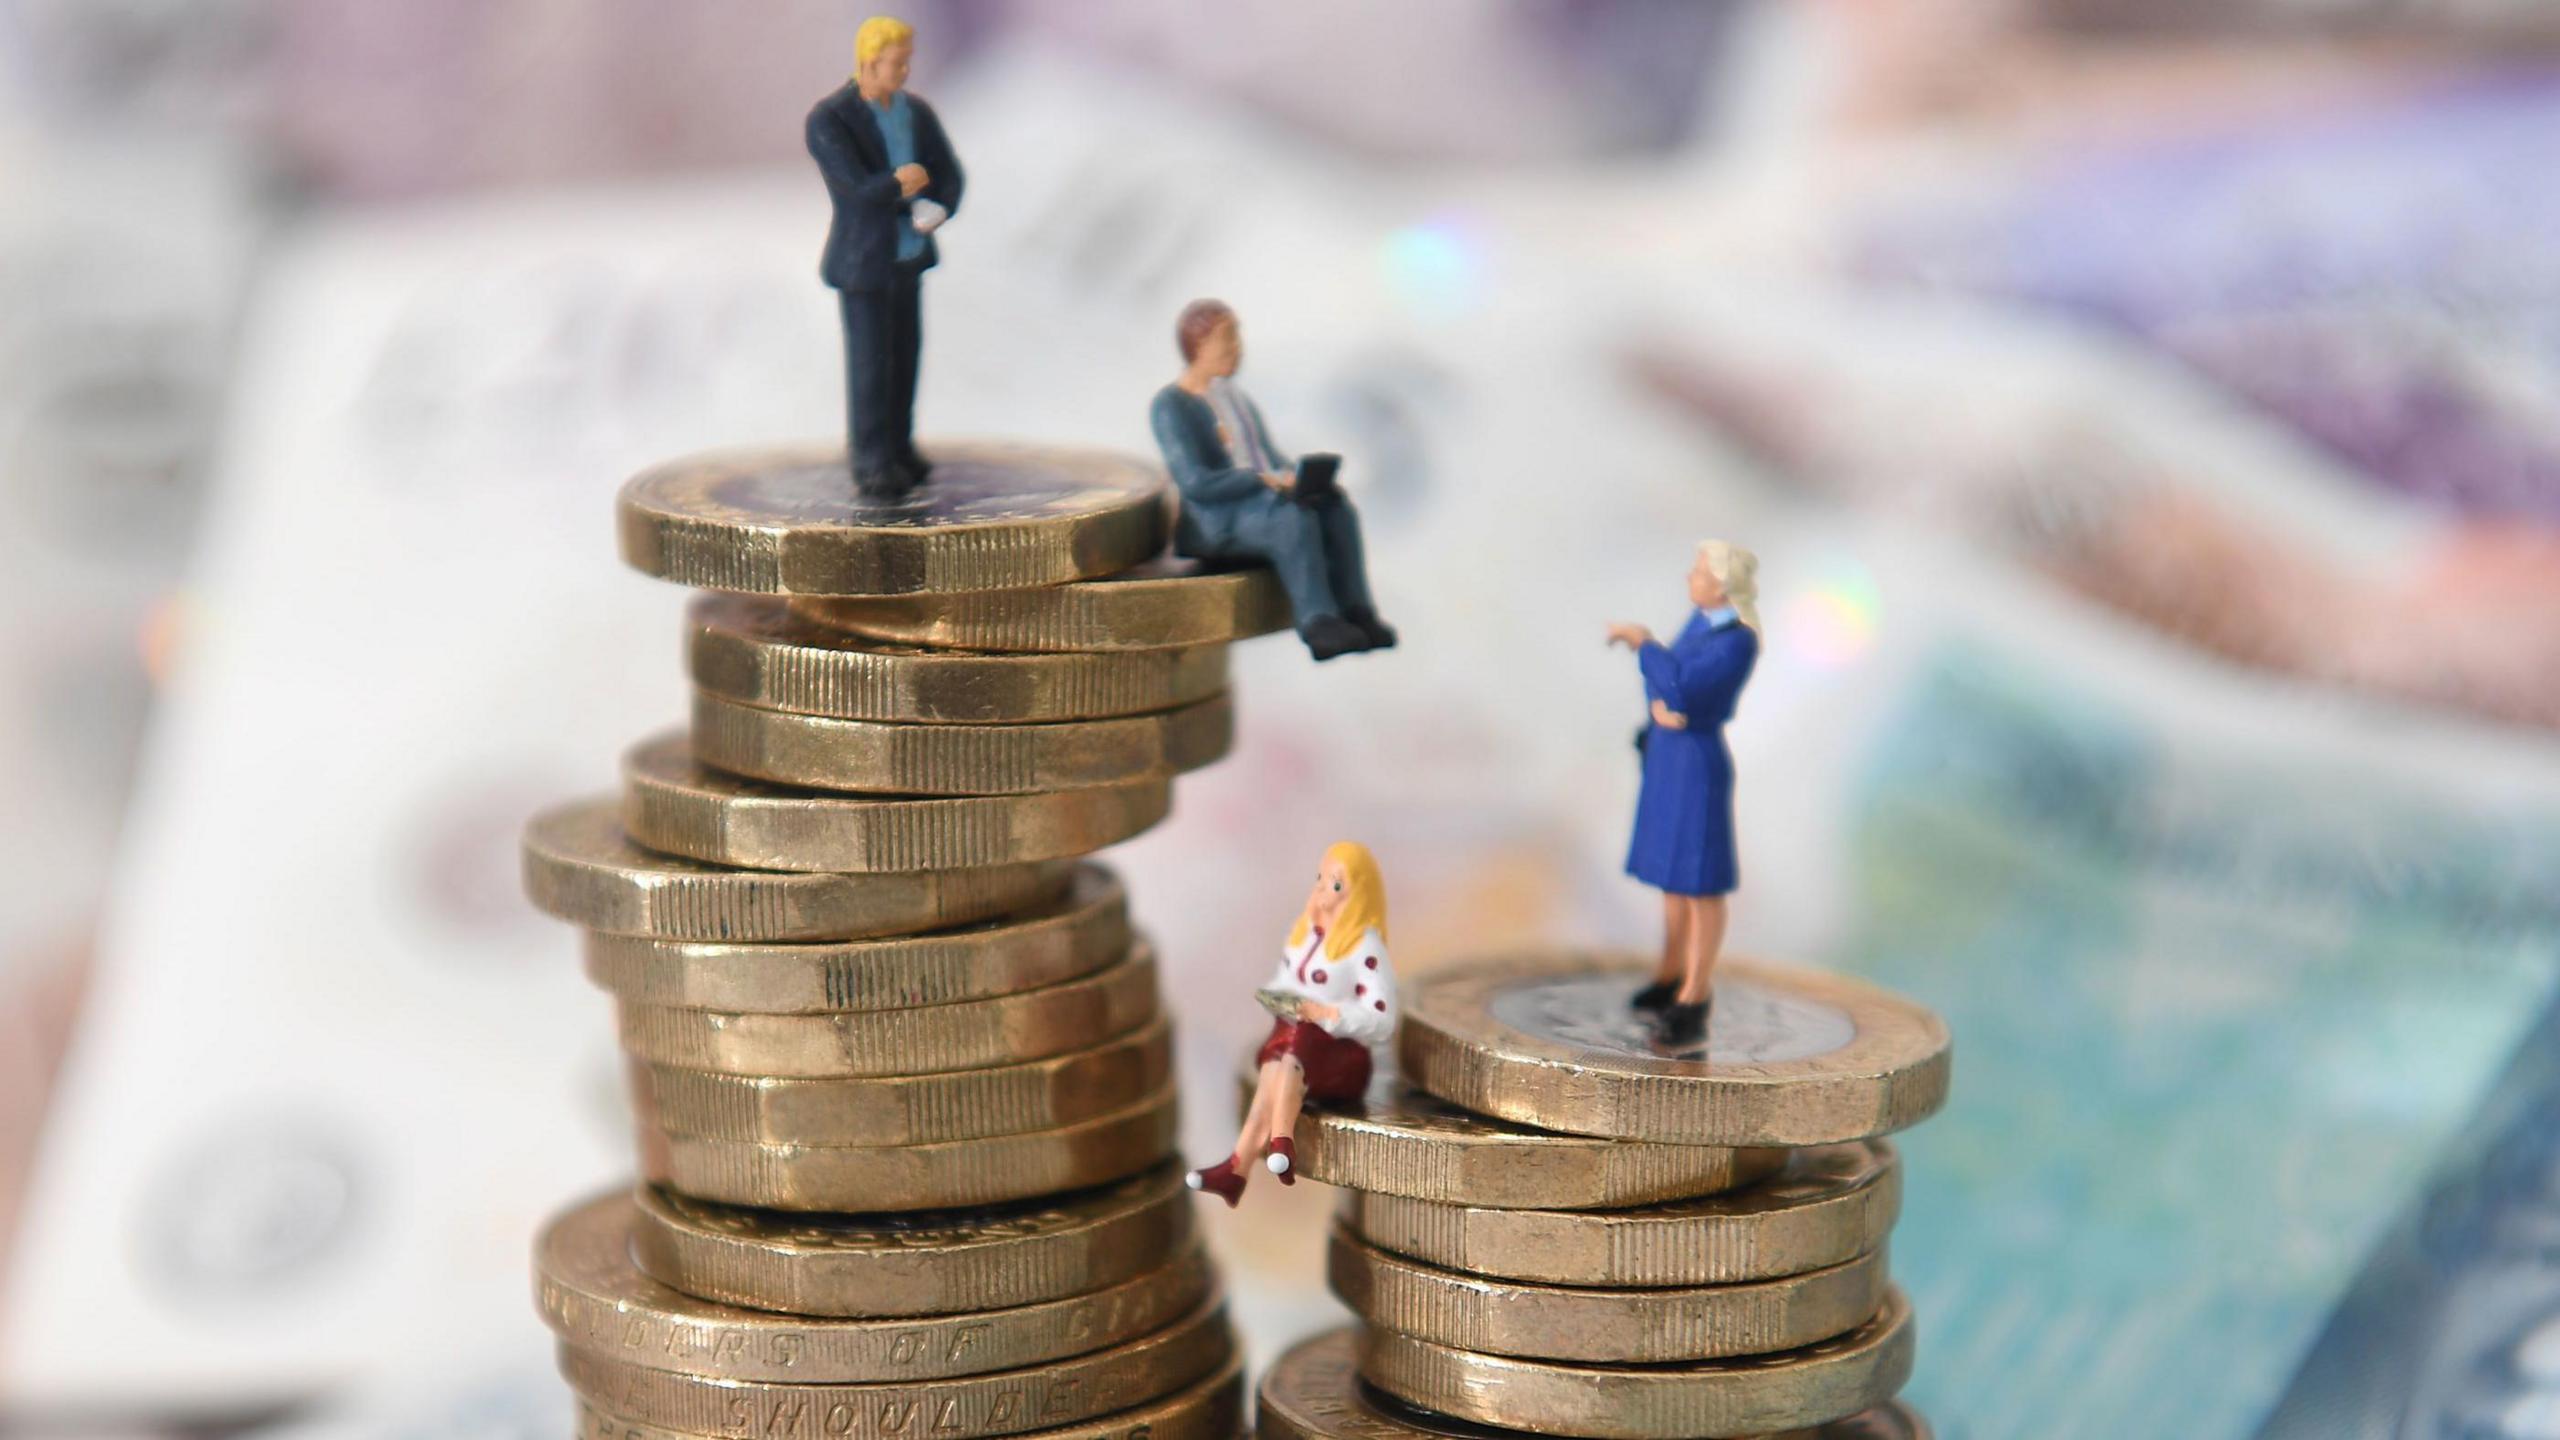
[(1337, 1069)]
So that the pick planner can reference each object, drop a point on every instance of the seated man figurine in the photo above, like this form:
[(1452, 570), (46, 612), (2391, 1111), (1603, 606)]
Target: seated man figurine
[(1243, 500)]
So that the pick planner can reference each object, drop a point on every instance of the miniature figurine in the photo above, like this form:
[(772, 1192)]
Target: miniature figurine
[(1683, 843), (1242, 499), (894, 181), (1333, 1000)]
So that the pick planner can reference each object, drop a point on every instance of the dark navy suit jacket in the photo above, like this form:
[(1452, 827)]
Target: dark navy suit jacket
[(845, 140)]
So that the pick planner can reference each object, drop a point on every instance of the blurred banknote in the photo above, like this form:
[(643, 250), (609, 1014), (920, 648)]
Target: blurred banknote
[(2375, 272), (2453, 1325), (2233, 970)]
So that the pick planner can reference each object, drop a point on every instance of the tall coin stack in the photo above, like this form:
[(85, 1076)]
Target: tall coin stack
[(1559, 1227), (903, 1089)]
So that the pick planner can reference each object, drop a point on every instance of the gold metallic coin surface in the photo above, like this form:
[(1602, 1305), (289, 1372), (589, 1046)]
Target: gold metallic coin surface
[(595, 1299), (968, 1034), (1399, 1141), (1314, 1392), (1078, 933), (860, 1178), (1791, 1057), (1164, 603), (787, 521), (936, 1262), (1604, 1326), (1738, 1396), (1007, 1402), (581, 867), (671, 804), (907, 1109), (757, 651), (1211, 1408), (892, 758), (1829, 1204)]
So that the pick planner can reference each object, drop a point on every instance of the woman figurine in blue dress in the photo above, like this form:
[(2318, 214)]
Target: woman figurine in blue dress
[(1683, 843)]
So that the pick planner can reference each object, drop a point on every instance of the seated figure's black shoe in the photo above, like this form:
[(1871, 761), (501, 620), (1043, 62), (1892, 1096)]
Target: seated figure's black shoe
[(1684, 1024), (1376, 633), (1331, 635), (1654, 996)]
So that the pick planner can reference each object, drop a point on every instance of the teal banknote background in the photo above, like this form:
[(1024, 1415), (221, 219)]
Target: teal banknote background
[(2219, 1018)]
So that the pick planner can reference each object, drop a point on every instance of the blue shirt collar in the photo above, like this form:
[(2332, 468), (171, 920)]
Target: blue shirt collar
[(896, 102), (1720, 617)]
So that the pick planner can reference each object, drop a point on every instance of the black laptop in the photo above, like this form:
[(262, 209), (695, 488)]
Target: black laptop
[(1316, 484)]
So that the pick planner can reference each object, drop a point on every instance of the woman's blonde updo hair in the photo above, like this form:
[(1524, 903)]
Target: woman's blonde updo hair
[(1738, 571)]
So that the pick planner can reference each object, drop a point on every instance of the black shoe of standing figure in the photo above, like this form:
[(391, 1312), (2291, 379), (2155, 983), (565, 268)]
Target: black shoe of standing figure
[(1331, 635), (1377, 633), (917, 468), (884, 482), (1654, 996), (1684, 1024)]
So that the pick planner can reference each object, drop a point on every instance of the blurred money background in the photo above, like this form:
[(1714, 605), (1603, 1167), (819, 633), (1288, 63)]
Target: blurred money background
[(2144, 412)]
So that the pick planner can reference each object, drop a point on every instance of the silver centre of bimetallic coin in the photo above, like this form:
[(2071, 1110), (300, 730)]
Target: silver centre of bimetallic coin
[(1749, 1024)]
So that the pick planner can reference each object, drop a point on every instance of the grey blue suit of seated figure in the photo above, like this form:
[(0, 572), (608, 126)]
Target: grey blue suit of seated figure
[(1225, 464)]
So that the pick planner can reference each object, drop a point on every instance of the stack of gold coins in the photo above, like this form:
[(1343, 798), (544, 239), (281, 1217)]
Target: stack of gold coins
[(1559, 1227), (902, 1086)]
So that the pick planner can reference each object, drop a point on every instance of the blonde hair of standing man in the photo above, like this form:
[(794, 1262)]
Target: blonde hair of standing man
[(879, 33)]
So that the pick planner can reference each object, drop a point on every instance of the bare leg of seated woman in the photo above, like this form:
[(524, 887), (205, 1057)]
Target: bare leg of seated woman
[(1279, 1090)]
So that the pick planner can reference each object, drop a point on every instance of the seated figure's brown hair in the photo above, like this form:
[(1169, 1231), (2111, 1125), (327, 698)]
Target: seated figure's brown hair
[(1195, 324)]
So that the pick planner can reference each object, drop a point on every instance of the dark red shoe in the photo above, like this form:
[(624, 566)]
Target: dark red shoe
[(1221, 1180), (1283, 1160)]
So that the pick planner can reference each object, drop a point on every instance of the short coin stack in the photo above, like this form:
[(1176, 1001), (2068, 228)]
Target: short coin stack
[(1559, 1227), (904, 1092)]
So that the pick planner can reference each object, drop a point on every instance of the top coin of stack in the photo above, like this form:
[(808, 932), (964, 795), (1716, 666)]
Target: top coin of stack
[(1710, 1260), (902, 1081)]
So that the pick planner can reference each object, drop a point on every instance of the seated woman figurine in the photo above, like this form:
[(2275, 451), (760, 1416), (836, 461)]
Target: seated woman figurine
[(1244, 500), (1333, 999)]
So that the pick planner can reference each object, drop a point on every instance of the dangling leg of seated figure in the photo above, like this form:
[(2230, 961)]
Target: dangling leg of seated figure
[(1226, 1178), (1289, 1096)]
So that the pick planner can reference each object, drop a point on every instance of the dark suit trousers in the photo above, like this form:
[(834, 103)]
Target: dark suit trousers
[(883, 333)]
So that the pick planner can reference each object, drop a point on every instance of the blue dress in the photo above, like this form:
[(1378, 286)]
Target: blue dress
[(1684, 814)]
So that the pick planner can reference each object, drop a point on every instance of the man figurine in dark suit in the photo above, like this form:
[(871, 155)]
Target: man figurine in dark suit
[(894, 180)]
